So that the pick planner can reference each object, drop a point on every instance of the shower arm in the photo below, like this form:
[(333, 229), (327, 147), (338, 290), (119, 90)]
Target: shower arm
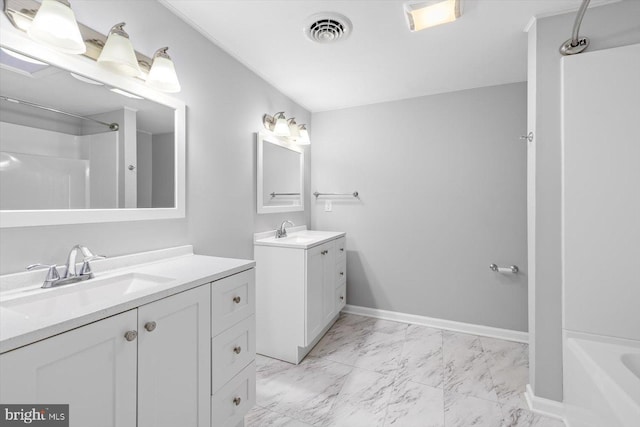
[(576, 44)]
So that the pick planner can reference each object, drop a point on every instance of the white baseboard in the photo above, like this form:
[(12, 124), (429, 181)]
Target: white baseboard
[(467, 328), (542, 406)]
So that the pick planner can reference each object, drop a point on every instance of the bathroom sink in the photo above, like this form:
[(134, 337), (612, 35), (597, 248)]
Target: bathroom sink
[(300, 239), (48, 302)]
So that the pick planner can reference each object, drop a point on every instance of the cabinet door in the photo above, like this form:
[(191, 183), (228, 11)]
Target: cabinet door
[(329, 283), (314, 297), (174, 367), (92, 368)]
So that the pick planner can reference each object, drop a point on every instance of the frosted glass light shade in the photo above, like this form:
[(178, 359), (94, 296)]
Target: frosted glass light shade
[(162, 75), (55, 26), (294, 131), (118, 53), (281, 128), (304, 136)]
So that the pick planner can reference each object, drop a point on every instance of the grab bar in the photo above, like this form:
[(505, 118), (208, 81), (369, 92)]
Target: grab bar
[(511, 269)]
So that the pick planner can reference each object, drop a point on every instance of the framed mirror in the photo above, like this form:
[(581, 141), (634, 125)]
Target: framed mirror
[(280, 176), (80, 144)]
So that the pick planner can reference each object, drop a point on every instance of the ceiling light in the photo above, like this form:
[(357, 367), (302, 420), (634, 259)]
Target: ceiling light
[(431, 13), (118, 52), (304, 135), (22, 57), (123, 93), (162, 75), (55, 26)]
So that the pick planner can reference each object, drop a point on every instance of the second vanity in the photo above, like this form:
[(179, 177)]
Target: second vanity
[(163, 338), (301, 288)]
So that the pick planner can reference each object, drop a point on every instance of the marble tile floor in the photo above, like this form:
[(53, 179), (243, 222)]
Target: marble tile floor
[(367, 372)]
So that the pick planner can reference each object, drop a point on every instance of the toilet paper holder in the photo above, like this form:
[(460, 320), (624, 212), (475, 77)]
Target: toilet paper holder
[(511, 269)]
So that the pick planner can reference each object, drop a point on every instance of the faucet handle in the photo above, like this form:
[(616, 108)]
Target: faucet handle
[(86, 268), (52, 274)]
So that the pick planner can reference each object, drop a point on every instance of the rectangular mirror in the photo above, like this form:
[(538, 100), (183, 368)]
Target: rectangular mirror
[(77, 147), (280, 175)]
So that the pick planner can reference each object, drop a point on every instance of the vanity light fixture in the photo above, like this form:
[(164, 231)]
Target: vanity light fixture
[(162, 75), (431, 13), (276, 124), (55, 26), (118, 53)]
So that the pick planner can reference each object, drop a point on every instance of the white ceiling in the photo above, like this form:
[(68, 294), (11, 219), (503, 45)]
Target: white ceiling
[(381, 60)]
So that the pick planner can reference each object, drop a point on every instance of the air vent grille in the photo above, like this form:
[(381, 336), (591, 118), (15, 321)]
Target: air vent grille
[(327, 27)]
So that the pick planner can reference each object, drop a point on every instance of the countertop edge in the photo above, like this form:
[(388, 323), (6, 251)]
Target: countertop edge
[(49, 331)]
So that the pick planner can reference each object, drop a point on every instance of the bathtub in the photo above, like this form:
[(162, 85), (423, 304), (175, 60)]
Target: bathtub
[(601, 381)]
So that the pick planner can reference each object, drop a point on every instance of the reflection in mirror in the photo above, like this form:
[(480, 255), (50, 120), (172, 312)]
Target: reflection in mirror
[(69, 142), (280, 175)]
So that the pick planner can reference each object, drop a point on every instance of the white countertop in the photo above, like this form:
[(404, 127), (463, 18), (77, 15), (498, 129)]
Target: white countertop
[(297, 237), (181, 270)]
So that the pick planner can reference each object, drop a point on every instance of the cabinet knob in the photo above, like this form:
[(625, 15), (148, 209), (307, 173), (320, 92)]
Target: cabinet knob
[(237, 349), (237, 400), (341, 249), (150, 326), (341, 298), (237, 299), (131, 335), (342, 273)]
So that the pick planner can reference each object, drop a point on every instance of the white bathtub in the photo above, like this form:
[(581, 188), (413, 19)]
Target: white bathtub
[(601, 381)]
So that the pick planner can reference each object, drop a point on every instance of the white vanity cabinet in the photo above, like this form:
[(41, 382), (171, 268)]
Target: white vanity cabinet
[(161, 348), (184, 360), (298, 295)]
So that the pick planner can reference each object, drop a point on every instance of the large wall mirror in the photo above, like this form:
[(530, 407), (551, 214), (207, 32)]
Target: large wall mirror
[(79, 145), (280, 175)]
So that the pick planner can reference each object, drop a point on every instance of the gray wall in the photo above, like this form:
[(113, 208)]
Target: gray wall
[(607, 26), (225, 103), (442, 181)]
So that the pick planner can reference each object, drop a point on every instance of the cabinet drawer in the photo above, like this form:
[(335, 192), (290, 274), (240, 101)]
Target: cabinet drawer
[(232, 299), (341, 272), (341, 297), (230, 404), (341, 248), (231, 351)]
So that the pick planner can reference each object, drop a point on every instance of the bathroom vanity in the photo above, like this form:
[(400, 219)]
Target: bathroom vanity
[(163, 338), (301, 288)]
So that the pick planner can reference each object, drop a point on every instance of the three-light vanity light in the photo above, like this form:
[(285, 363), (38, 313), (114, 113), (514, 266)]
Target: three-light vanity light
[(280, 126), (53, 23)]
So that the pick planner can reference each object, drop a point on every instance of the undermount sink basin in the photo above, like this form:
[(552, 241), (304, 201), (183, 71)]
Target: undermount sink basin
[(54, 300), (300, 239)]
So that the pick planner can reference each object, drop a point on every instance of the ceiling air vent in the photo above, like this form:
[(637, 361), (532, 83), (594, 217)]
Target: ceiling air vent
[(327, 27)]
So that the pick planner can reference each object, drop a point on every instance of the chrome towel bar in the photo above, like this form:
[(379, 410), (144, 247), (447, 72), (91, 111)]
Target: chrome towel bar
[(274, 194), (354, 194)]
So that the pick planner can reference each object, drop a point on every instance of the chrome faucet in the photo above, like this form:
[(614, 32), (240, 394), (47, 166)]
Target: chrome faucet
[(71, 275), (282, 231)]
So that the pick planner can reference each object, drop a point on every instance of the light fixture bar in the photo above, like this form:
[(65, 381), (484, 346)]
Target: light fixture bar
[(22, 12)]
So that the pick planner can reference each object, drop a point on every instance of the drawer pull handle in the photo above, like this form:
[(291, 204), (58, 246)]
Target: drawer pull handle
[(237, 349), (150, 326), (342, 273), (237, 300), (236, 401), (131, 335)]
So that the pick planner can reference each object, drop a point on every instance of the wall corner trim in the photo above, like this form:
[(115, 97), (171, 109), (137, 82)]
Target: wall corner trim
[(450, 325), (542, 406)]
